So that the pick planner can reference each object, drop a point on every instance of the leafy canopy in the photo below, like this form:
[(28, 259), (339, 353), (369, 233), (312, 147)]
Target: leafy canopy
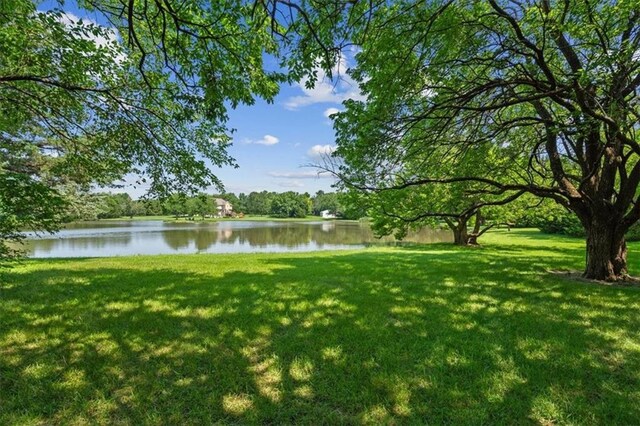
[(146, 93)]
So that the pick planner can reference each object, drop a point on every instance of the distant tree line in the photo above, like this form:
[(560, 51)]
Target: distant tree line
[(548, 216), (89, 206)]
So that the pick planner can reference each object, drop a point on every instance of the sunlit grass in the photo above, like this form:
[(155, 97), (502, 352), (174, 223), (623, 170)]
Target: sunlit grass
[(422, 334)]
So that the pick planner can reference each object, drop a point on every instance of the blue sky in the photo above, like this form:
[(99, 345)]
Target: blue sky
[(273, 144)]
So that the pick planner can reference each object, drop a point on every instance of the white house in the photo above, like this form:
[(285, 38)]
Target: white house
[(224, 208), (326, 214)]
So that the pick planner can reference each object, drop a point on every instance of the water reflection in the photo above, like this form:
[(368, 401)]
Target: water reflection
[(157, 237)]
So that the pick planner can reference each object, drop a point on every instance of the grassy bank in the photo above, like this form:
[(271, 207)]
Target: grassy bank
[(138, 218), (217, 219), (432, 334)]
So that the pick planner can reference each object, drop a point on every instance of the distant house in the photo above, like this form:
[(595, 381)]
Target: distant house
[(224, 208), (326, 214)]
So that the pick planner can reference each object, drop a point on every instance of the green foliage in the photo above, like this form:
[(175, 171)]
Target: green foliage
[(152, 207), (88, 206), (83, 103), (289, 204), (201, 205), (25, 204), (175, 205), (559, 221), (259, 203), (80, 203), (545, 215), (552, 218), (546, 91), (325, 201), (241, 203), (633, 234), (115, 205), (567, 224), (351, 205)]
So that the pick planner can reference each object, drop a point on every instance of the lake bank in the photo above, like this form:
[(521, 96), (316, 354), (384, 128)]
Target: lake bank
[(431, 333), (168, 218)]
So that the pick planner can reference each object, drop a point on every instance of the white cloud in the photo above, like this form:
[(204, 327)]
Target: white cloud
[(291, 184), (266, 140), (300, 175), (320, 151), (325, 90), (330, 111), (107, 37)]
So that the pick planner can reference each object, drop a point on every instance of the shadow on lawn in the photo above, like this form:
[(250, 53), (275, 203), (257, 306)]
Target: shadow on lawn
[(408, 336)]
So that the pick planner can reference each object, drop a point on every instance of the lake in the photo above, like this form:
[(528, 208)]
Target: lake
[(122, 238)]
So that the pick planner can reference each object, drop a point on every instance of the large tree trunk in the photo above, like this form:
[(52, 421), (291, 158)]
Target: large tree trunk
[(460, 236), (606, 252), (459, 229), (472, 239)]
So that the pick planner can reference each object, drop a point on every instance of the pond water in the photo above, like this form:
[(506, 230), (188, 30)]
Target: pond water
[(120, 238)]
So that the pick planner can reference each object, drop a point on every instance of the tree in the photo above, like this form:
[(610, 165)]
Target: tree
[(147, 93), (394, 203), (241, 203), (27, 204), (558, 78), (191, 207), (204, 205), (351, 205), (138, 208), (289, 204), (175, 205), (325, 201), (152, 207), (79, 203), (259, 203), (115, 205), (397, 211)]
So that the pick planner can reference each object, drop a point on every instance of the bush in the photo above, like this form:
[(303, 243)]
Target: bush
[(567, 224), (548, 216)]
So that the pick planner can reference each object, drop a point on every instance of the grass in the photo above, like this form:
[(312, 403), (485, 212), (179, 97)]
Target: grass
[(259, 218), (137, 218), (217, 219), (422, 334)]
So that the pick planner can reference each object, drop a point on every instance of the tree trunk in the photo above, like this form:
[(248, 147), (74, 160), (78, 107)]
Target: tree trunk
[(606, 252), (460, 236), (472, 238)]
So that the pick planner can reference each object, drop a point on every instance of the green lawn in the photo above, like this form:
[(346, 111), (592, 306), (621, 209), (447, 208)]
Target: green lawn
[(422, 334), (309, 218), (216, 219), (138, 218)]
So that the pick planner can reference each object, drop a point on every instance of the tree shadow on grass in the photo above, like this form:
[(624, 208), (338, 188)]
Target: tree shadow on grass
[(405, 336)]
